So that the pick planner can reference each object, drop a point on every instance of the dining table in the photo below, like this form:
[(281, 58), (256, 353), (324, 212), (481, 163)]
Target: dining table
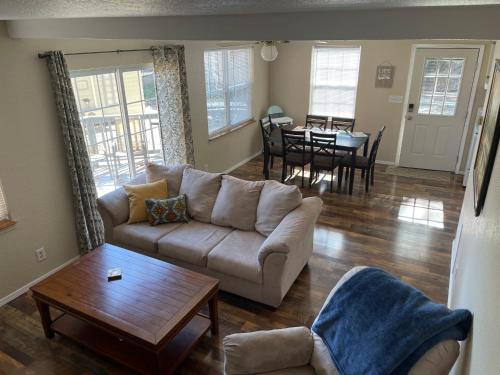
[(345, 142)]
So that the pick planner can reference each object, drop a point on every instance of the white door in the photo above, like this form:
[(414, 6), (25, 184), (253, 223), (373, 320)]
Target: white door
[(439, 95)]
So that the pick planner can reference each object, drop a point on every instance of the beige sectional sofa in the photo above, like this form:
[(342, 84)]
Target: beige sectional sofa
[(255, 237)]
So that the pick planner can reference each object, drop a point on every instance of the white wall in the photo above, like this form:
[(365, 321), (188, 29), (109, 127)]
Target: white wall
[(475, 284), (290, 83), (32, 160)]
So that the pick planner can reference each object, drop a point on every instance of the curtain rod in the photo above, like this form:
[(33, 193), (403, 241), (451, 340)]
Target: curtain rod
[(45, 54)]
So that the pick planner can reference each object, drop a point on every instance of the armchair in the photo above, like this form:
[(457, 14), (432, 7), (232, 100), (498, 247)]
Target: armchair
[(299, 351)]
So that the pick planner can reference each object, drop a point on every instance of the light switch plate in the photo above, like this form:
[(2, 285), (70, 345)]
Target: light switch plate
[(396, 99)]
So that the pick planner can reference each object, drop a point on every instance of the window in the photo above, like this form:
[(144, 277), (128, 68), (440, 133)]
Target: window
[(119, 116), (228, 85), (4, 212), (5, 221), (440, 86), (334, 81)]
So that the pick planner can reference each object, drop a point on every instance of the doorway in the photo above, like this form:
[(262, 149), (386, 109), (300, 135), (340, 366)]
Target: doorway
[(441, 85)]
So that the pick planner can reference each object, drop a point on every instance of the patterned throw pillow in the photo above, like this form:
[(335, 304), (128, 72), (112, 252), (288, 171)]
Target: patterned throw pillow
[(163, 211)]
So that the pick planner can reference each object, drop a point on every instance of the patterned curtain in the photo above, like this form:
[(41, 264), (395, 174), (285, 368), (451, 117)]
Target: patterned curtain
[(89, 225), (173, 104)]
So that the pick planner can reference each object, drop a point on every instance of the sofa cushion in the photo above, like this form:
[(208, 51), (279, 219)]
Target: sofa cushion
[(238, 255), (259, 352), (236, 203), (201, 189), (192, 242), (170, 210), (137, 195), (303, 370), (276, 201), (116, 205), (142, 236), (173, 175)]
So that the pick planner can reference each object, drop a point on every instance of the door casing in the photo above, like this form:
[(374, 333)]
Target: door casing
[(414, 48)]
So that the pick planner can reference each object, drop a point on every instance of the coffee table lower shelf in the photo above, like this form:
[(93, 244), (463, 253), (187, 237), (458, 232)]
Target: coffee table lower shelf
[(129, 354)]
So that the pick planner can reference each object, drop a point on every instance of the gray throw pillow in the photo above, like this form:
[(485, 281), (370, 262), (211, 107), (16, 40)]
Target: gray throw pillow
[(236, 204), (276, 201), (201, 189), (173, 175)]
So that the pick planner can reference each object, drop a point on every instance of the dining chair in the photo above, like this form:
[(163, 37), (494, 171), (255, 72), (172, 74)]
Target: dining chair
[(266, 128), (365, 164), (295, 152), (342, 123), (314, 121), (324, 156)]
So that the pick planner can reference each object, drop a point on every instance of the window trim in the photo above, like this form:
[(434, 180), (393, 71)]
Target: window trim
[(6, 223), (229, 128), (118, 72), (311, 78)]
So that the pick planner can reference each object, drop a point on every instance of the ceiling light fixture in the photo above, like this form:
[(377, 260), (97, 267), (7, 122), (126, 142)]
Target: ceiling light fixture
[(269, 51)]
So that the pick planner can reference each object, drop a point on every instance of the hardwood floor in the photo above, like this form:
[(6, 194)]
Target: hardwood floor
[(405, 225)]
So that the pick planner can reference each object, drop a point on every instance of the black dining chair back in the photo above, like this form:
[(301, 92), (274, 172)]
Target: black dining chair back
[(266, 127), (295, 151), (342, 123), (269, 148), (313, 121), (366, 164), (323, 155), (373, 152)]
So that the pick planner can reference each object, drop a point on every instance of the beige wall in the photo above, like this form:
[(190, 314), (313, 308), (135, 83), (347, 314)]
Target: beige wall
[(32, 161), (290, 81), (475, 283)]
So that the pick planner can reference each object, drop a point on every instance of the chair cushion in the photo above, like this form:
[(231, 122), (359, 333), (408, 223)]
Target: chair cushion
[(361, 161), (276, 150), (142, 236), (325, 162), (238, 255), (276, 201), (137, 195), (201, 189), (192, 242), (173, 175), (236, 204), (296, 158)]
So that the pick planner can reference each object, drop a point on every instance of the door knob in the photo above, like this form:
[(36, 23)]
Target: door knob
[(409, 117)]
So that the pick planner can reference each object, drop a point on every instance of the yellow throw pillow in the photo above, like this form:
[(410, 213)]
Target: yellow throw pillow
[(137, 195)]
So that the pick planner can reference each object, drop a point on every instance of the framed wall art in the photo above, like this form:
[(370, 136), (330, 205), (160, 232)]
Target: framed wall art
[(488, 143)]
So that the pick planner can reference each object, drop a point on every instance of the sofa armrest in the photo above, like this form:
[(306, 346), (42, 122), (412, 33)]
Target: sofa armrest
[(264, 351), (289, 234)]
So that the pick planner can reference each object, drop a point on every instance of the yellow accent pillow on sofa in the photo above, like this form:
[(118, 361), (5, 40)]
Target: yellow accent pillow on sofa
[(137, 195)]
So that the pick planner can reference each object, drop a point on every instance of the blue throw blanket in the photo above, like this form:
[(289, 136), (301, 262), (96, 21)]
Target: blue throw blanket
[(377, 325)]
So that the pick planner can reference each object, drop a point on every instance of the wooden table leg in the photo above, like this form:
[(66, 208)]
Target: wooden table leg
[(214, 315), (44, 311), (351, 172)]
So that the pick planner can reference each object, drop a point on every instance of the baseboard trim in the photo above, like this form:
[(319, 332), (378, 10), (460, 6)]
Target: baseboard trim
[(244, 161), (385, 162), (25, 288)]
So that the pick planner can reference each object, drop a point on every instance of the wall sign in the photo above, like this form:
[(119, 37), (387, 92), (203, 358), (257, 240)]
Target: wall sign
[(384, 76)]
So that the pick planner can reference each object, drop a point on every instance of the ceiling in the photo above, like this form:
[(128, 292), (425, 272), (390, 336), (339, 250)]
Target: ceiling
[(43, 9)]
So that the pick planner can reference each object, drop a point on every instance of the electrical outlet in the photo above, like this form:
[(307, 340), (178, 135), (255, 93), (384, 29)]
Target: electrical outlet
[(41, 255)]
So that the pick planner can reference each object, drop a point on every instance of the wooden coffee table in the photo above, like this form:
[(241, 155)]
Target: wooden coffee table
[(150, 320)]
